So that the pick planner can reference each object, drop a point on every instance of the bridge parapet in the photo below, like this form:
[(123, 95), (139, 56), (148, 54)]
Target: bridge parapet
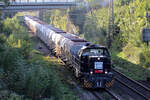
[(19, 5), (39, 1)]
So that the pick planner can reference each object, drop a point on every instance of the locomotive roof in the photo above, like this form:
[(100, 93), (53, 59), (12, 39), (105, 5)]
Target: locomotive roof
[(57, 30), (73, 37), (76, 39), (35, 19)]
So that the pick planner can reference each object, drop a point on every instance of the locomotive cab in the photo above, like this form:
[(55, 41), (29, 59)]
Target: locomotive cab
[(96, 65)]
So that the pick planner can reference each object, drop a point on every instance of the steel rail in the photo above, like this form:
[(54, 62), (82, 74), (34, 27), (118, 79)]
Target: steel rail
[(97, 95), (132, 84), (112, 94)]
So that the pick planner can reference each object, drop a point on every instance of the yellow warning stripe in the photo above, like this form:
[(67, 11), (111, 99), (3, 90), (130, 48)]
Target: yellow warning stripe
[(87, 84), (109, 84)]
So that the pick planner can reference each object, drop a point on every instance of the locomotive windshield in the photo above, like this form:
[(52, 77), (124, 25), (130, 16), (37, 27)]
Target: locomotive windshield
[(96, 51)]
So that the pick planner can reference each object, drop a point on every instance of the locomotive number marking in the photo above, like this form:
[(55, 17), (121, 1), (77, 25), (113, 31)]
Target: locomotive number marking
[(98, 65)]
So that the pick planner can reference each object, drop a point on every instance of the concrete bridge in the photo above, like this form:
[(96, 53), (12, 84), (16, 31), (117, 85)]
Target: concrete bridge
[(21, 5)]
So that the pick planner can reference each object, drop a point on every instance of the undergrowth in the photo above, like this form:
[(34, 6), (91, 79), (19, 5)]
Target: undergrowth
[(132, 70), (25, 70)]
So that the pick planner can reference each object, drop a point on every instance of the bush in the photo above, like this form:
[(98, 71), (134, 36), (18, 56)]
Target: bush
[(25, 71), (145, 58)]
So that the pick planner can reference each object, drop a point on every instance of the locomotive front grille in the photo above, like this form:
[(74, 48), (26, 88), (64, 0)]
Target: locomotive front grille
[(99, 65)]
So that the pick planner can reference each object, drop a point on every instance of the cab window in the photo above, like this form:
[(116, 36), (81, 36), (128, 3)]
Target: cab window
[(97, 51)]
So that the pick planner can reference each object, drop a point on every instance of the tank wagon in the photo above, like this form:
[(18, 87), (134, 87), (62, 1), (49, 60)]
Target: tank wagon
[(90, 63)]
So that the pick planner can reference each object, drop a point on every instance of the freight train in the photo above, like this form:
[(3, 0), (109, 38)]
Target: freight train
[(90, 63)]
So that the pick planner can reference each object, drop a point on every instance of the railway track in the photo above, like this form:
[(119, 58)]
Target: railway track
[(133, 85), (145, 83), (97, 95), (112, 94)]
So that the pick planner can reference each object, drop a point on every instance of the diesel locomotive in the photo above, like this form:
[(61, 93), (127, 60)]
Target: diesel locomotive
[(90, 63)]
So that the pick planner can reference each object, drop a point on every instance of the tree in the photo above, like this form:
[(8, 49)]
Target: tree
[(5, 1)]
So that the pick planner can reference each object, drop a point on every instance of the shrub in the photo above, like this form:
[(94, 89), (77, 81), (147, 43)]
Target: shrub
[(25, 71), (145, 58)]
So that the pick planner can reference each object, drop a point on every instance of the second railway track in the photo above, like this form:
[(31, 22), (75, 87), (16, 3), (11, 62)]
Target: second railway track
[(135, 86), (112, 94), (98, 95)]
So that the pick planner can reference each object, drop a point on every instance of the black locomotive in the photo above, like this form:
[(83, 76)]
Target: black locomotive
[(91, 63)]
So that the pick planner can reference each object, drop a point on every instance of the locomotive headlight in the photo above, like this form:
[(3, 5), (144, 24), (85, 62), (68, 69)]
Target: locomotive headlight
[(91, 72), (110, 74), (106, 72)]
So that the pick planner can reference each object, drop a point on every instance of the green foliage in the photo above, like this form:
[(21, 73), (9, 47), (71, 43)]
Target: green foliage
[(145, 57), (95, 28), (13, 26), (2, 38), (5, 1), (59, 19), (8, 57), (123, 2), (97, 3), (25, 71), (2, 42), (126, 39), (132, 49), (77, 17), (17, 78), (45, 79), (40, 77)]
